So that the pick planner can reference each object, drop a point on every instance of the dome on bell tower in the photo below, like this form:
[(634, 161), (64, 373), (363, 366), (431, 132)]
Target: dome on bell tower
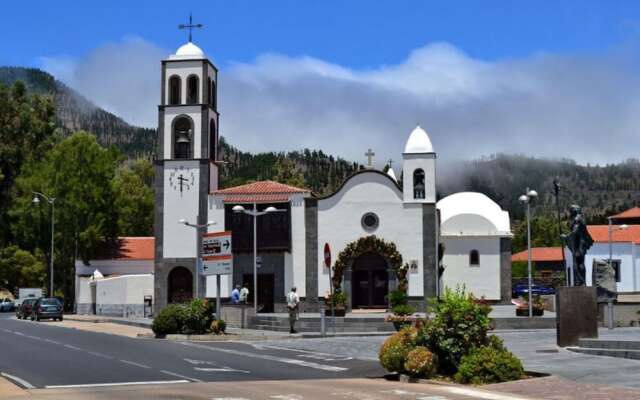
[(188, 51), (418, 142)]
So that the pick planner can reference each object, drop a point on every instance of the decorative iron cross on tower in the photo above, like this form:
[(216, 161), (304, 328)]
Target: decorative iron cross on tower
[(369, 154), (189, 26)]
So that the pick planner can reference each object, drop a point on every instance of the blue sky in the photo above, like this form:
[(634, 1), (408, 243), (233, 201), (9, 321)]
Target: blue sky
[(353, 33), (544, 78)]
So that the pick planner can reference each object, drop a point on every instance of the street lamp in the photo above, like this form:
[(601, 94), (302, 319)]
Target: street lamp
[(255, 214), (527, 198), (611, 229), (50, 200), (197, 228)]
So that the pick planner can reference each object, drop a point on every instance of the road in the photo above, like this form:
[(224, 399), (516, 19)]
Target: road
[(40, 355)]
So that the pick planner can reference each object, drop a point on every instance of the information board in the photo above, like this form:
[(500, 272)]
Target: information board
[(217, 257)]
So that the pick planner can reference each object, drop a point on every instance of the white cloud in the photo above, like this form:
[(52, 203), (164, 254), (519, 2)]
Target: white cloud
[(576, 106)]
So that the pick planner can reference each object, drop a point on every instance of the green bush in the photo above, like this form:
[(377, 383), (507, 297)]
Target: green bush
[(167, 321), (421, 363), (403, 309), (460, 325), (187, 318), (397, 298), (489, 364), (395, 349), (218, 326)]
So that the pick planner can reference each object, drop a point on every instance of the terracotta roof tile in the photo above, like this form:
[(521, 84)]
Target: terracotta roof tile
[(260, 192), (600, 233), (539, 254), (136, 248), (630, 213)]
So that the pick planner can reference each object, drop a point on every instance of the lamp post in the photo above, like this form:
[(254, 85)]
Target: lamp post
[(255, 214), (527, 198), (611, 229), (197, 228), (50, 200)]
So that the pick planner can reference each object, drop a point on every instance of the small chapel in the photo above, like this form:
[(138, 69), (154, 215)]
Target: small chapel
[(382, 234)]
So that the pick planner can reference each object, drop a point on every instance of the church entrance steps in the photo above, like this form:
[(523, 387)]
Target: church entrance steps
[(311, 323), (629, 349)]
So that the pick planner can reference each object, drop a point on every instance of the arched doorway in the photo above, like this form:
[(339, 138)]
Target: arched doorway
[(369, 281), (180, 285)]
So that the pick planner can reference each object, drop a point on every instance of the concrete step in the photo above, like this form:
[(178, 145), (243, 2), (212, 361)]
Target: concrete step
[(609, 344), (618, 353)]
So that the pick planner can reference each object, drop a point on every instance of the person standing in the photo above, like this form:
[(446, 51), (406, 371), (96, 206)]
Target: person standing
[(244, 294), (235, 295), (293, 301)]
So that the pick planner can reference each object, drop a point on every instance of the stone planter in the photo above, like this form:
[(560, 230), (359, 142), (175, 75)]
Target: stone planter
[(339, 312), (524, 312)]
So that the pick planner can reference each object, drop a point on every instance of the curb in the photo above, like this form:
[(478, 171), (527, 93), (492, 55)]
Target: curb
[(99, 320)]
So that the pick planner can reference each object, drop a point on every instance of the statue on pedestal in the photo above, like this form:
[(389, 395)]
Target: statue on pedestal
[(578, 241)]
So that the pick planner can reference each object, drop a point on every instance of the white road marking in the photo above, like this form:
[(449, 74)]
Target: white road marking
[(307, 353), (180, 376), (479, 394), (229, 398), (287, 397), (268, 357), (69, 346), (223, 369), (19, 333), (94, 353), (19, 381), (33, 337), (52, 341), (432, 398), (135, 364), (89, 385)]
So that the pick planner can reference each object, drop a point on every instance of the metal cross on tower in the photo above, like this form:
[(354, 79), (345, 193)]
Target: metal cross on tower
[(390, 163), (369, 154), (189, 26)]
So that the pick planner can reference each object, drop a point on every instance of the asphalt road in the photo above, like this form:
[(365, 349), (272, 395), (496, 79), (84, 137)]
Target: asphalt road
[(40, 355)]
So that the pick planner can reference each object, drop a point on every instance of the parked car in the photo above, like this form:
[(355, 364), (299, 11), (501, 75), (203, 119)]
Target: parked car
[(523, 289), (47, 308), (6, 304), (23, 311)]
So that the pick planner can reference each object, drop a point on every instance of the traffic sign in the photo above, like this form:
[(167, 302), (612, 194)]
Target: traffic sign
[(217, 256), (327, 255)]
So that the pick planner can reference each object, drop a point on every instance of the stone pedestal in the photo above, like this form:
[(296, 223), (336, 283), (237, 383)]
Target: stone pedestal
[(576, 315)]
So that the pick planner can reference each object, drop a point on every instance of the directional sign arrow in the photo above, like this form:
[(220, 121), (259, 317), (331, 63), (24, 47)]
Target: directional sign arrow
[(226, 244)]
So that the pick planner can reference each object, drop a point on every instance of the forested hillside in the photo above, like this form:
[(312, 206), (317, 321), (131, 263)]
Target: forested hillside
[(599, 189)]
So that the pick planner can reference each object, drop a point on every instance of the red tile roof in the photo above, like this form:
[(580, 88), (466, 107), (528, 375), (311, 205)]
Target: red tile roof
[(136, 248), (260, 192), (600, 233), (630, 213), (539, 254)]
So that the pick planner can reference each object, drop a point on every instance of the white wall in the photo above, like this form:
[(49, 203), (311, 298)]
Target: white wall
[(179, 240), (629, 263), (339, 223), (83, 290), (194, 112), (482, 280), (183, 69), (128, 289), (295, 271)]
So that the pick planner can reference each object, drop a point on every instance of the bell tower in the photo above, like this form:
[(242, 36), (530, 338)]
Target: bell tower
[(185, 168)]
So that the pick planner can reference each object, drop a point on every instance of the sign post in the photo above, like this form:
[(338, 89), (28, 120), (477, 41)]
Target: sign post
[(217, 259), (327, 262)]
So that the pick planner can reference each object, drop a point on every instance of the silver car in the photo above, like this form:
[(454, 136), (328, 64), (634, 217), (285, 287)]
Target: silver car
[(6, 304)]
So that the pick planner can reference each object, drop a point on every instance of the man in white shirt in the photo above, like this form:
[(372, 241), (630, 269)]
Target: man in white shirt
[(244, 294), (293, 301)]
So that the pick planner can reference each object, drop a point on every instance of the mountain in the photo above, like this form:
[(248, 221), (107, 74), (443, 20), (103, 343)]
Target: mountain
[(74, 112), (600, 190)]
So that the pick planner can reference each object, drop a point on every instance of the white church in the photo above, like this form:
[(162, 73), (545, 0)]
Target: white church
[(382, 235)]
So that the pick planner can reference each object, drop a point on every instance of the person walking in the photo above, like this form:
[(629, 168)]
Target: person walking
[(293, 301)]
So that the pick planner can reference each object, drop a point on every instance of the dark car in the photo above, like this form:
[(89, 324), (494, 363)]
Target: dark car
[(523, 289), (47, 308), (23, 311)]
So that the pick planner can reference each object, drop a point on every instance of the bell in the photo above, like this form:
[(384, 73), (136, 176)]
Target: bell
[(183, 137)]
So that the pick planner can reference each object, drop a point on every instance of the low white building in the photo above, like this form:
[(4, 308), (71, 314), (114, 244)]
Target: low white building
[(117, 286), (625, 254)]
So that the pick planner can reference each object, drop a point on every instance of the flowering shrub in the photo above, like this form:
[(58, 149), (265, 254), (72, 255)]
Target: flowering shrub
[(491, 363), (395, 349), (421, 363)]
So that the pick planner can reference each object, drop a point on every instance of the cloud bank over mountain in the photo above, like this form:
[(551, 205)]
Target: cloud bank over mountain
[(584, 107)]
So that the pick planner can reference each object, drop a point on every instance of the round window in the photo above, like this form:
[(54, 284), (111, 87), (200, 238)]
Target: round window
[(369, 221)]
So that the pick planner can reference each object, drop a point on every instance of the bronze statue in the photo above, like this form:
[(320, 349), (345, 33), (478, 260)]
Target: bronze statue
[(578, 241)]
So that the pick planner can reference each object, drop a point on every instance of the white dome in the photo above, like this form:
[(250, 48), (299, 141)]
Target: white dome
[(472, 214), (392, 174), (188, 50), (418, 142)]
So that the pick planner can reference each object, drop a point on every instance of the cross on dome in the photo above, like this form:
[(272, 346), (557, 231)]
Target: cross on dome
[(190, 26)]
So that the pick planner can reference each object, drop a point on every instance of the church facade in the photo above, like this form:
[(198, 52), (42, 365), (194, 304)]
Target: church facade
[(382, 234)]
